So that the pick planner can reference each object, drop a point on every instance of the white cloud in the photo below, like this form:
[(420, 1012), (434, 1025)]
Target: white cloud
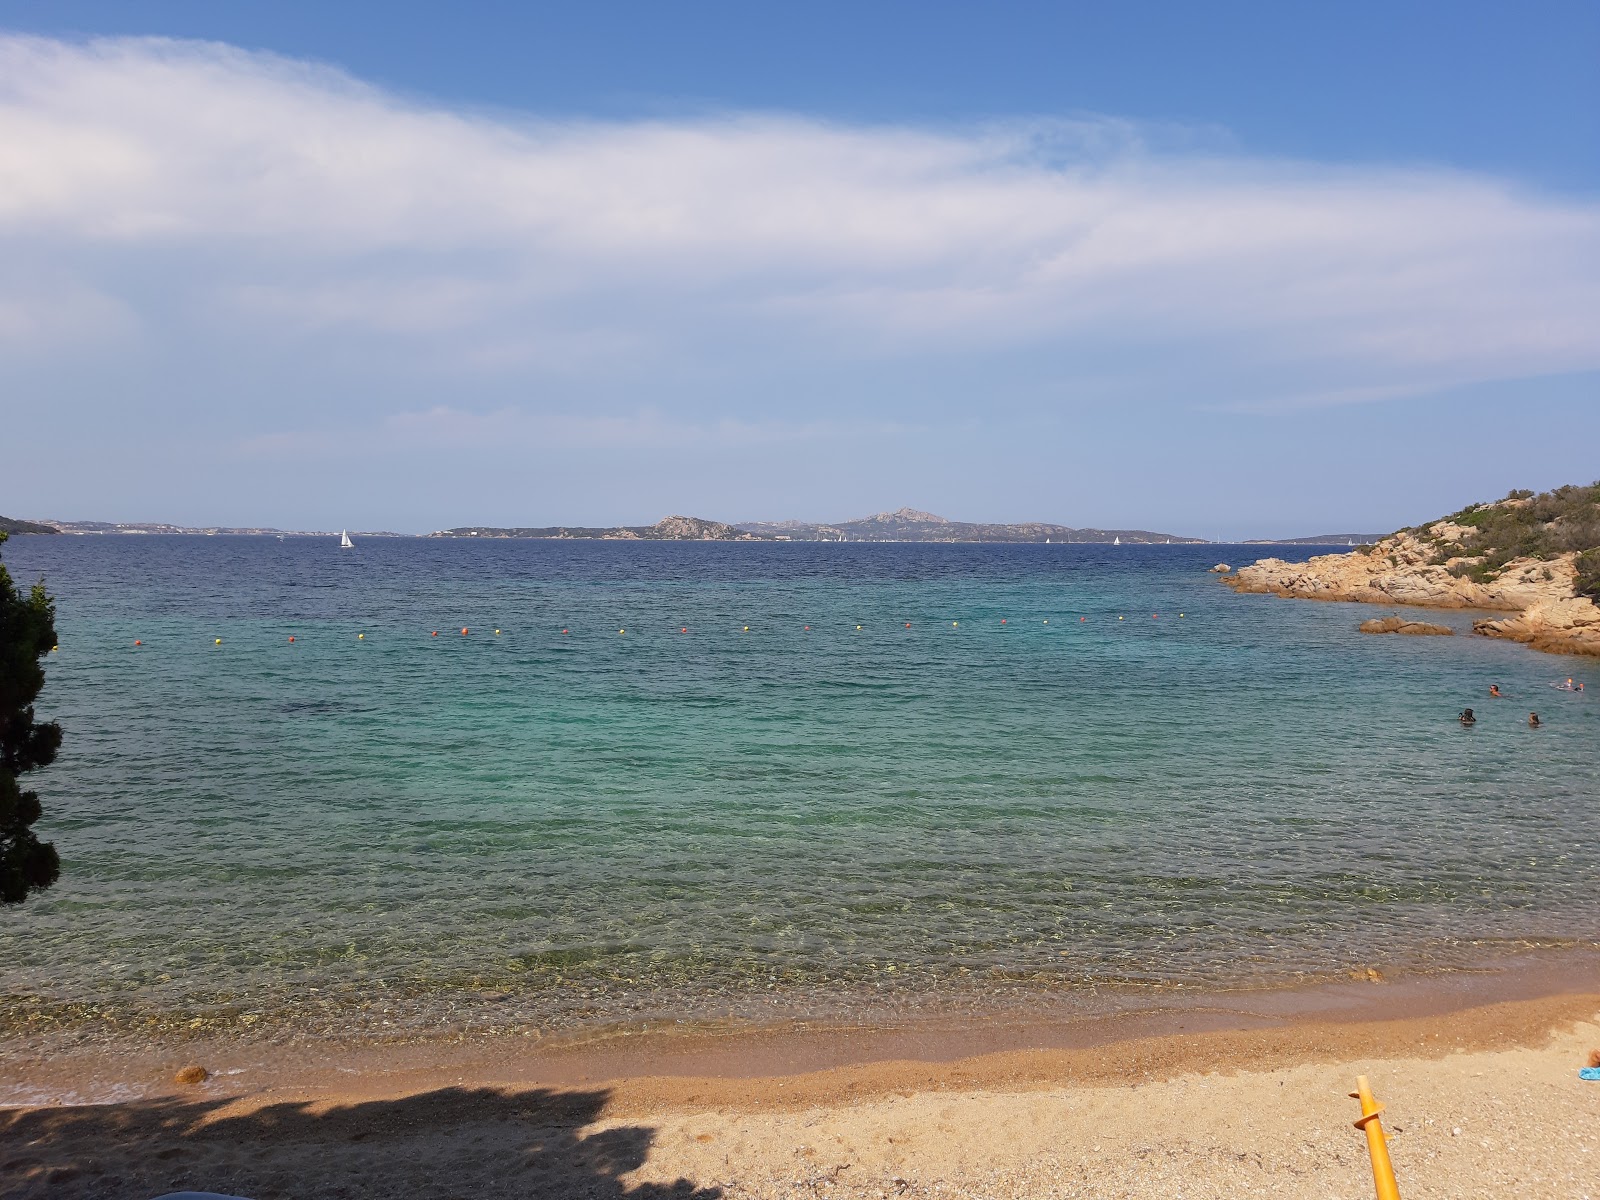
[(222, 193)]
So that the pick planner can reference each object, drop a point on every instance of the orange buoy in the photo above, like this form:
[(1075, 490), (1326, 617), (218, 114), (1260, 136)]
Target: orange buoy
[(908, 624), (291, 637), (808, 627), (435, 633), (685, 629), (463, 631), (563, 631), (137, 642)]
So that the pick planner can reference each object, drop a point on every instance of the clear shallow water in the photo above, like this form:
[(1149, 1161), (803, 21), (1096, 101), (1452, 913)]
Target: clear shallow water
[(600, 824)]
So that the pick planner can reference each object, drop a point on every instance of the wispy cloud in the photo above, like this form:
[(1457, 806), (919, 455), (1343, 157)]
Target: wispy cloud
[(167, 191)]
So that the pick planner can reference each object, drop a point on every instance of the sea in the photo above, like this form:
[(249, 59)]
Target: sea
[(427, 786)]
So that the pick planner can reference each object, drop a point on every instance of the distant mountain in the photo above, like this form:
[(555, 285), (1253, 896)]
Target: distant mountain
[(912, 525), (1322, 539), (12, 525), (668, 529)]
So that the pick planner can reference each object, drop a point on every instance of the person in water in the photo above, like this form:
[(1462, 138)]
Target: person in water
[(1494, 690), (1533, 721), (1466, 717)]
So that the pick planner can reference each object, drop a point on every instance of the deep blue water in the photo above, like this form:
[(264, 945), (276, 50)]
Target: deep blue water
[(1075, 765)]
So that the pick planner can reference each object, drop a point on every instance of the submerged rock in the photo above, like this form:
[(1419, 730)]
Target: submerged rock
[(194, 1073)]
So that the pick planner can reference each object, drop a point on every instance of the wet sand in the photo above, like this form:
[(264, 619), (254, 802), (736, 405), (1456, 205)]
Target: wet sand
[(1200, 1099)]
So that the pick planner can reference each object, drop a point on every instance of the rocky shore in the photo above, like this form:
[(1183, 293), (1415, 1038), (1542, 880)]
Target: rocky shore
[(1418, 568)]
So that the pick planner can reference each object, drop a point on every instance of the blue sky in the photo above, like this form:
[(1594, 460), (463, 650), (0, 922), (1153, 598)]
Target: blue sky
[(1233, 269)]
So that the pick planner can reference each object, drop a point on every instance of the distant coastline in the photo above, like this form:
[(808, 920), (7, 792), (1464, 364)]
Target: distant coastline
[(902, 525)]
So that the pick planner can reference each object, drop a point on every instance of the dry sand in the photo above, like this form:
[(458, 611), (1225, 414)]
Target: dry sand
[(1481, 1102)]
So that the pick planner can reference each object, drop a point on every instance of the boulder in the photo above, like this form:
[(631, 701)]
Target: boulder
[(193, 1073), (1401, 625), (1221, 569)]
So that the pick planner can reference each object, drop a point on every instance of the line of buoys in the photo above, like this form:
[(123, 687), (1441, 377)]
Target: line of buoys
[(681, 629)]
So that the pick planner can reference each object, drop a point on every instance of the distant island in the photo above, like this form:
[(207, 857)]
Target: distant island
[(668, 529), (910, 525), (11, 525), (903, 525), (1321, 539)]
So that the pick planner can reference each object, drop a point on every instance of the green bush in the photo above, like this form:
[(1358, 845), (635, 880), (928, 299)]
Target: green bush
[(1588, 581), (1525, 525)]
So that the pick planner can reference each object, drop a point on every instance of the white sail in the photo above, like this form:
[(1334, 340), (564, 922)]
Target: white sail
[(1116, 541), (344, 540)]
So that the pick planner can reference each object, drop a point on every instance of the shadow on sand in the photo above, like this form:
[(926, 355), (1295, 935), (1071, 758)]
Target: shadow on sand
[(454, 1142)]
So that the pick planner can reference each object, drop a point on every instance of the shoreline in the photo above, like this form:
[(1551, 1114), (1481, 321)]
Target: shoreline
[(62, 1069), (1481, 1100)]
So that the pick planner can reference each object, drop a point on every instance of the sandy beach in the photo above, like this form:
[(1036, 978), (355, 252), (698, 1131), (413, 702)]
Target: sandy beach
[(1481, 1100)]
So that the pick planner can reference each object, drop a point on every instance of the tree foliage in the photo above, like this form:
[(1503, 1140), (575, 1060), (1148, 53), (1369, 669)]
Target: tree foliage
[(27, 634)]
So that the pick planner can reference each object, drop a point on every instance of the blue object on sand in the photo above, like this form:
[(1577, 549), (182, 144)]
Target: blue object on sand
[(1589, 1073)]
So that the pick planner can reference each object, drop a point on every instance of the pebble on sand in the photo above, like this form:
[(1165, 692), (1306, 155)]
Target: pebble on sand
[(193, 1073)]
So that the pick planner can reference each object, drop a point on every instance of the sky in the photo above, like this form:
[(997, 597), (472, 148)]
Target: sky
[(1232, 270)]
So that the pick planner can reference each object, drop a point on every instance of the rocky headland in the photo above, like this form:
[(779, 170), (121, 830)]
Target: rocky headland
[(1535, 558)]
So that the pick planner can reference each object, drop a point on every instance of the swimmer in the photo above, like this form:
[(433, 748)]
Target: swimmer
[(1533, 721), (1494, 690), (1466, 717)]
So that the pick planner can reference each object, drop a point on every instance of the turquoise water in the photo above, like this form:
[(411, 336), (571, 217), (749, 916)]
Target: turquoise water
[(1036, 784)]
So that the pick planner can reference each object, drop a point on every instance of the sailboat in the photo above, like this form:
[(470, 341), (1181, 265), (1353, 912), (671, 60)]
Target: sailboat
[(1116, 541), (344, 540)]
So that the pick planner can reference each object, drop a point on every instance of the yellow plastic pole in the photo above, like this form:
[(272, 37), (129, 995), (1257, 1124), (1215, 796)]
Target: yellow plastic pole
[(1377, 1143)]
